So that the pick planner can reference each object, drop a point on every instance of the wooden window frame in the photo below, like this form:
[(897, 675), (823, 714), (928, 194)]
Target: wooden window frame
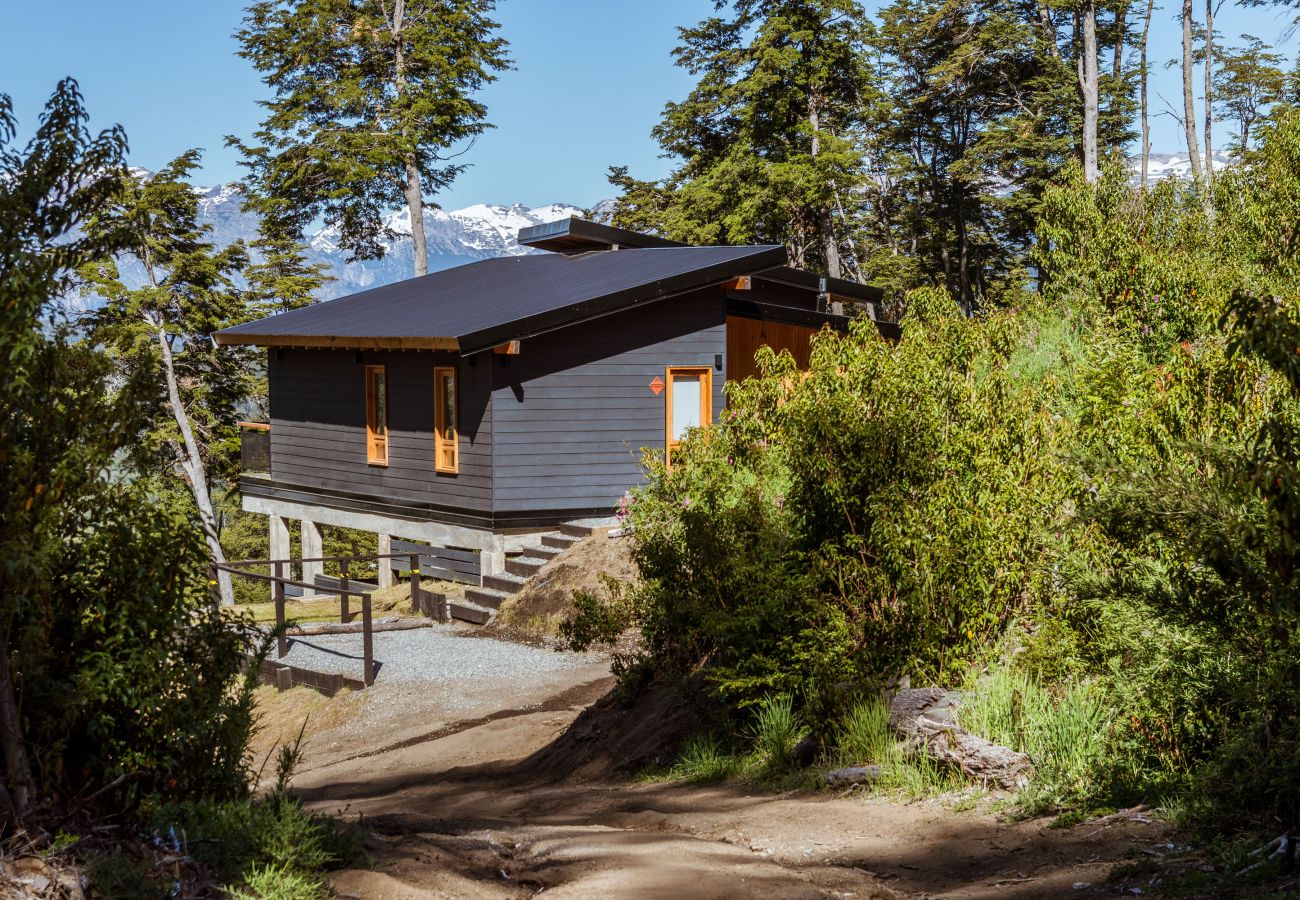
[(706, 403), (441, 443), (376, 442)]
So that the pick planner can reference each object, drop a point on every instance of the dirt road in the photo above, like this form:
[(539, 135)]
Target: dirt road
[(464, 799)]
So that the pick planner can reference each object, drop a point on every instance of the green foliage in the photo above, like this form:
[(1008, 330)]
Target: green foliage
[(776, 730), (277, 883), (118, 678), (115, 876), (863, 737), (370, 106), (703, 760)]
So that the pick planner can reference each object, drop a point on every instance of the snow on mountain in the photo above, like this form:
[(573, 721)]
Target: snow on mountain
[(1174, 165), (454, 237)]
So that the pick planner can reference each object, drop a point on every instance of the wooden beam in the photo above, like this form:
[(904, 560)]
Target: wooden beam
[(742, 283), (336, 342), (509, 348)]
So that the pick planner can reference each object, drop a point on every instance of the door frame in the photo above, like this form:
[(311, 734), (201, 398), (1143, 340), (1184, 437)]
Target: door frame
[(706, 403)]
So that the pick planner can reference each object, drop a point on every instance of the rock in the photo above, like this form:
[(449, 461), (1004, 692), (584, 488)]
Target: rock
[(805, 752), (852, 775)]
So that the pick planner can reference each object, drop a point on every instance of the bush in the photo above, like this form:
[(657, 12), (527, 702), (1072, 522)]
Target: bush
[(776, 731)]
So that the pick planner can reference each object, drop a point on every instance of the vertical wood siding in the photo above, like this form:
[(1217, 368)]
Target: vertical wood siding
[(318, 427), (746, 336), (572, 411)]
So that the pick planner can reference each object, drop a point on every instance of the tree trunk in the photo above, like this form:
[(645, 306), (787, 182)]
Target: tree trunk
[(1209, 75), (411, 188), (829, 242), (18, 770), (1117, 58), (1088, 88), (1189, 101), (193, 465), (924, 717), (1146, 124)]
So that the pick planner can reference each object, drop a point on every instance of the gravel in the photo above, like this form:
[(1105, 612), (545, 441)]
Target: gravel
[(423, 655)]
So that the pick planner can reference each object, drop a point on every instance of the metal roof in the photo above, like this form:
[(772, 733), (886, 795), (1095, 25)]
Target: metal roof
[(480, 305), (573, 235)]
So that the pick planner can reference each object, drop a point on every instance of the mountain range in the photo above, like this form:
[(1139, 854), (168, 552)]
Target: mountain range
[(464, 235)]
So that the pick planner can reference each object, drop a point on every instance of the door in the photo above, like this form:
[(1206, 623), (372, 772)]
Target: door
[(688, 397)]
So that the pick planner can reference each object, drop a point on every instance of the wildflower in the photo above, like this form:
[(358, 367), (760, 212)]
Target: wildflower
[(686, 501)]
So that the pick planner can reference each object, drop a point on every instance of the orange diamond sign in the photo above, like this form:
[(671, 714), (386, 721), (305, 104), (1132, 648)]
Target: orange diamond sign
[(657, 385)]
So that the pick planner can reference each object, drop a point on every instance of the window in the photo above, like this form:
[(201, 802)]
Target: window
[(446, 456), (376, 416), (688, 403)]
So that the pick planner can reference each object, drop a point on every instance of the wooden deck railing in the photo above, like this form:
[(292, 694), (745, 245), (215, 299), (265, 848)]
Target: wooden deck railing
[(420, 599)]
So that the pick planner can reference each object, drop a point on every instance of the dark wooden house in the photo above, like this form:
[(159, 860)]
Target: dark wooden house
[(471, 405)]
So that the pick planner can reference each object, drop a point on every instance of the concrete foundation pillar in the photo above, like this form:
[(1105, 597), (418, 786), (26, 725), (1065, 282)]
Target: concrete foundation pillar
[(311, 546), (279, 544), (493, 558), (385, 565)]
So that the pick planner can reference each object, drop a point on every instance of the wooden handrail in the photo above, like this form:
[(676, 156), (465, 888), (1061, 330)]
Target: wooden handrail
[(275, 579), (338, 559), (254, 426)]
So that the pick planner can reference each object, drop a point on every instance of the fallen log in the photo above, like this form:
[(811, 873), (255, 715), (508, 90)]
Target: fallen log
[(925, 718), (388, 623)]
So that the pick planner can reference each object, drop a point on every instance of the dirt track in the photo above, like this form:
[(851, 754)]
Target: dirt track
[(477, 803)]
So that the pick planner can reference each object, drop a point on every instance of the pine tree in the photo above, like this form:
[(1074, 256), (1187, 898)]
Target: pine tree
[(373, 100), (165, 327), (766, 140)]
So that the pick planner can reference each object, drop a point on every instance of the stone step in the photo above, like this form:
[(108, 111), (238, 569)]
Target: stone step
[(486, 597), (507, 583), (524, 566)]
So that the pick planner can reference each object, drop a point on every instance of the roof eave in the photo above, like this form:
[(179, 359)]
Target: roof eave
[(334, 342)]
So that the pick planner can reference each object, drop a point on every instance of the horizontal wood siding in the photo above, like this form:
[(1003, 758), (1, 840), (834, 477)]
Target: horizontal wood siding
[(318, 426), (571, 412)]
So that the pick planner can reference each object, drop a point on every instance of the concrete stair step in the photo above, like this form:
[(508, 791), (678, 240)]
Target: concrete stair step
[(506, 583), (486, 597), (524, 566), (559, 541), (577, 531)]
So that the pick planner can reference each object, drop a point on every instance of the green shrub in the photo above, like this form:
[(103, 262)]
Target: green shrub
[(114, 876), (703, 760), (277, 883), (776, 731)]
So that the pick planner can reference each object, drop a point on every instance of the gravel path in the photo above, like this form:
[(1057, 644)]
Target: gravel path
[(433, 654)]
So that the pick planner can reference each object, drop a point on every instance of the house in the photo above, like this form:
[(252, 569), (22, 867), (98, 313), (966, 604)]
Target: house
[(470, 406)]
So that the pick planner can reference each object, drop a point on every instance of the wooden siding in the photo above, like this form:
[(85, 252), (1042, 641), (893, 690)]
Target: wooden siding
[(318, 426), (746, 336), (572, 411)]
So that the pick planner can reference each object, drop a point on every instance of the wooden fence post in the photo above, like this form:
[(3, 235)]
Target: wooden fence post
[(277, 591), (367, 641), (344, 615), (417, 602)]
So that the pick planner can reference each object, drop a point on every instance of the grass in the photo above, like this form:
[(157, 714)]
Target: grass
[(775, 733), (703, 760), (864, 738), (1063, 731)]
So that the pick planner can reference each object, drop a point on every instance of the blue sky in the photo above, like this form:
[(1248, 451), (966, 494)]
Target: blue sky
[(590, 80)]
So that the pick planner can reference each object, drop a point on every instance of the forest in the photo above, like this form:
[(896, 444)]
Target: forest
[(1070, 490)]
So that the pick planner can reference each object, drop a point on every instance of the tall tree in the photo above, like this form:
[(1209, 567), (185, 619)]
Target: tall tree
[(1089, 85), (765, 141), (1189, 99), (1208, 72), (373, 102), (164, 328), (1249, 80), (1144, 74)]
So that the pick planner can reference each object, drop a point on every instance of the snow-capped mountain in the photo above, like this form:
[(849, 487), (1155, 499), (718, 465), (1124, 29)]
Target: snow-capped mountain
[(1174, 165), (454, 237)]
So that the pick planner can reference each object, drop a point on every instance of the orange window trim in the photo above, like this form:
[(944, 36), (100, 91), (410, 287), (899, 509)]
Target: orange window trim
[(706, 403), (446, 431), (376, 416)]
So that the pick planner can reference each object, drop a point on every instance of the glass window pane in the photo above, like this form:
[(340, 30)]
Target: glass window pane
[(381, 403), (686, 404)]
